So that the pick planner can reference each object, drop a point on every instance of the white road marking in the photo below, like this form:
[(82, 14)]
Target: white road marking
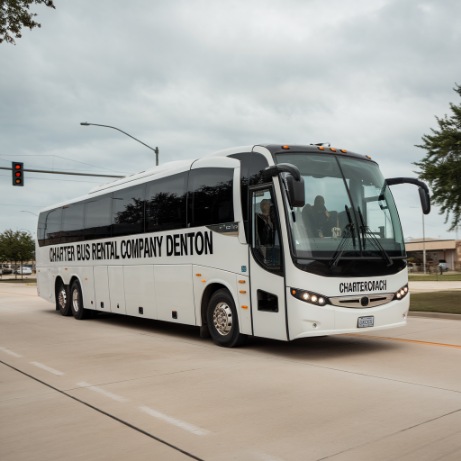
[(10, 352), (48, 369), (99, 390), (175, 422)]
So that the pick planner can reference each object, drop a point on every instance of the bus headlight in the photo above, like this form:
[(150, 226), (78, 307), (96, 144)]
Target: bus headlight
[(400, 294), (309, 297)]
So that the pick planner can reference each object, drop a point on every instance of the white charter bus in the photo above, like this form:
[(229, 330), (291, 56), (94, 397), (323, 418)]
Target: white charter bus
[(280, 242)]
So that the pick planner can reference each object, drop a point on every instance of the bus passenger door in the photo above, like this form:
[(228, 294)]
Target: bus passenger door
[(266, 267)]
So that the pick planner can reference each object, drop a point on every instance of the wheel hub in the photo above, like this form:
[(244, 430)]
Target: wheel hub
[(62, 298), (75, 300), (222, 318)]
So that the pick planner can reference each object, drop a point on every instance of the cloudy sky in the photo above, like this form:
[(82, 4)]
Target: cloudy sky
[(195, 76)]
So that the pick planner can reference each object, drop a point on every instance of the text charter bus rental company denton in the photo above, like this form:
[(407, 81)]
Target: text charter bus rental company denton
[(280, 242)]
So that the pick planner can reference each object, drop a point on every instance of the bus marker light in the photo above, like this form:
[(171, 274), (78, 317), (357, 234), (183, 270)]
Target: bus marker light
[(285, 147), (244, 307), (243, 292), (242, 281), (344, 151), (198, 275), (333, 149), (203, 280)]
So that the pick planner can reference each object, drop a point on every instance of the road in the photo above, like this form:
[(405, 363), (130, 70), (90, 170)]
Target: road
[(114, 388)]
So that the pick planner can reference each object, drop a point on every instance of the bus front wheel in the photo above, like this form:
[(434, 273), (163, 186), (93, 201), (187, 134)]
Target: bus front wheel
[(222, 320), (76, 301), (62, 299)]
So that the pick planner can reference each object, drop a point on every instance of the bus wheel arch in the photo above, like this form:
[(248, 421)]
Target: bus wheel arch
[(61, 293), (76, 300), (206, 296), (221, 317)]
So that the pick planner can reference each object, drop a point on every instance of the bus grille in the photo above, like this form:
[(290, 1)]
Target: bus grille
[(362, 302)]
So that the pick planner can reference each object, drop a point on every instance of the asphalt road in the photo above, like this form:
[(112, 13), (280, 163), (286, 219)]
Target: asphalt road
[(114, 388)]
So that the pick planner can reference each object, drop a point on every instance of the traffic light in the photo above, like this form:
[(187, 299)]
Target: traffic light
[(18, 173)]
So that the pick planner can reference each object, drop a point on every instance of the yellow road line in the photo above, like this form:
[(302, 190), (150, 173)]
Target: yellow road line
[(405, 340)]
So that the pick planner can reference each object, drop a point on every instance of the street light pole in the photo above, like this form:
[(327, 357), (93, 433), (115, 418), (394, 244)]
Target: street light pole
[(127, 134), (424, 246)]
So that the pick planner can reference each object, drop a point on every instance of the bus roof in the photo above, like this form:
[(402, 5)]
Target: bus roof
[(179, 166)]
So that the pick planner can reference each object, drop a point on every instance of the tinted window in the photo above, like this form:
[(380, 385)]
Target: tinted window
[(53, 226), (41, 228), (98, 217), (128, 211), (72, 222), (251, 166), (210, 198), (166, 203), (72, 217)]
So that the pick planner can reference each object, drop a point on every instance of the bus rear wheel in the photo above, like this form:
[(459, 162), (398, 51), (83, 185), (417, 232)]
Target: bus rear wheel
[(63, 299), (76, 301), (222, 320)]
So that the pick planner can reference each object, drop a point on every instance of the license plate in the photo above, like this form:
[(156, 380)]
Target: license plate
[(366, 322)]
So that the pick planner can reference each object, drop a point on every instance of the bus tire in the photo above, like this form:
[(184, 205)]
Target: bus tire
[(63, 299), (76, 301), (222, 320)]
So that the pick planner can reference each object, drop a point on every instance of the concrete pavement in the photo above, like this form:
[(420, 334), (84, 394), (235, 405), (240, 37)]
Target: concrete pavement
[(119, 388)]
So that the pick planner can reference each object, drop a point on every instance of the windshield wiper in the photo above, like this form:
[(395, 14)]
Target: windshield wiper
[(366, 232), (349, 232)]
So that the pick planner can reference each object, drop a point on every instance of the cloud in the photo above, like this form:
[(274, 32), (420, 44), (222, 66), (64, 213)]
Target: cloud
[(196, 76)]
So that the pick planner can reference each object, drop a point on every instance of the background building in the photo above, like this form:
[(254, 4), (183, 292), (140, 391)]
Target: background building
[(436, 251)]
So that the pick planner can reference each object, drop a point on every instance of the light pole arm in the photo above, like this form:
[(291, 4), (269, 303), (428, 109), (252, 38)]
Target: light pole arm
[(127, 134)]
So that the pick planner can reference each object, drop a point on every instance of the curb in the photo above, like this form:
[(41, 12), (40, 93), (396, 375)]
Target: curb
[(435, 315)]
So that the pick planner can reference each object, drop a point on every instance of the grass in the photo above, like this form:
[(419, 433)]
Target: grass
[(445, 277), (18, 280), (447, 302)]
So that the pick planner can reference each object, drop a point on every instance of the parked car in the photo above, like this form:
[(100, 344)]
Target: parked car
[(24, 270), (6, 269)]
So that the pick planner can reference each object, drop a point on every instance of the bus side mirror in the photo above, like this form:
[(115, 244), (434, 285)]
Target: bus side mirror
[(425, 200), (423, 190), (296, 191), (293, 180)]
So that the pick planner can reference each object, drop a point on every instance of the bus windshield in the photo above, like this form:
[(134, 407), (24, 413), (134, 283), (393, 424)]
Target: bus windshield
[(349, 213)]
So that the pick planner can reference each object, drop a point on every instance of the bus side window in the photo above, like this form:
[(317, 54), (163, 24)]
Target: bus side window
[(98, 217), (210, 196), (166, 203), (72, 222), (251, 166), (53, 227), (128, 211)]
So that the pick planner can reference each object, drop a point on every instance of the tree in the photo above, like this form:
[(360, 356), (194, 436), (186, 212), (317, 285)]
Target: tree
[(441, 167), (16, 247), (15, 15)]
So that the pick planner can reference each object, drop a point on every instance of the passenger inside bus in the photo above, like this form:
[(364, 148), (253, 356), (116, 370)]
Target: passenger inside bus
[(268, 242), (319, 221), (265, 223)]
